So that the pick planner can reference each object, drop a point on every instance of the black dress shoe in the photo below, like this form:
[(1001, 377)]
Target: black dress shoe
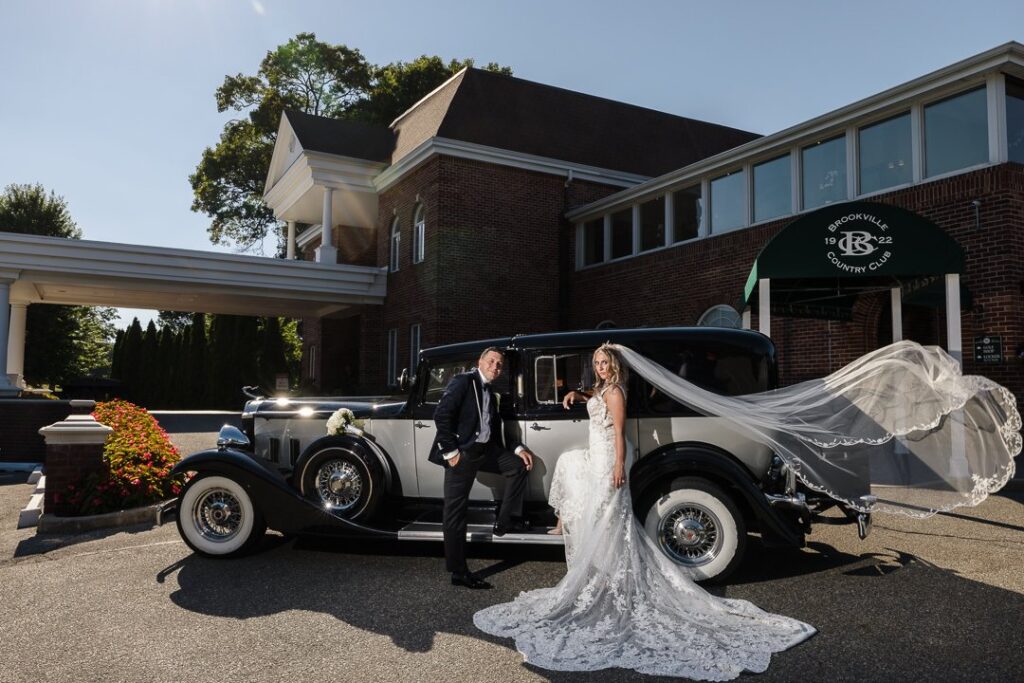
[(469, 581), (518, 526)]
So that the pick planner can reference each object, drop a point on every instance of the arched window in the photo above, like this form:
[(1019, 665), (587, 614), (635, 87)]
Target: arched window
[(396, 241), (419, 230), (721, 315)]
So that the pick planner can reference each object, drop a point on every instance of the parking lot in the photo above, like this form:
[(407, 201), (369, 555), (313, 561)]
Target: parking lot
[(937, 600)]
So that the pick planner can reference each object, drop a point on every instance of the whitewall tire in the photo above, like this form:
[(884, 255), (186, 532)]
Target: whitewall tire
[(698, 526), (216, 517)]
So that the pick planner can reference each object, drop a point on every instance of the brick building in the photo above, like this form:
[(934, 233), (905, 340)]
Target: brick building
[(500, 206)]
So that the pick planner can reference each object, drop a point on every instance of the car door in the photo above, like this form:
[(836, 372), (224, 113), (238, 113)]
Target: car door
[(432, 379), (549, 429)]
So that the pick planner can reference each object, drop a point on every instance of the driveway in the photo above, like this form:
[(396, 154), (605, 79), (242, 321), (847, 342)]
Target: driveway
[(938, 600)]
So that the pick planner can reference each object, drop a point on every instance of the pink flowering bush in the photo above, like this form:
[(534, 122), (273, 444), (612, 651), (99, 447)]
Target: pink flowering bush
[(139, 456)]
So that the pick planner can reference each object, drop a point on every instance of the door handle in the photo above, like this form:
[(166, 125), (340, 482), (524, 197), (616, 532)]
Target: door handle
[(537, 428), (420, 425)]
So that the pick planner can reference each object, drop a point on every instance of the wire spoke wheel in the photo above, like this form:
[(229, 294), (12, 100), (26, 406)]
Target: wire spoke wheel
[(339, 485), (690, 534), (217, 515)]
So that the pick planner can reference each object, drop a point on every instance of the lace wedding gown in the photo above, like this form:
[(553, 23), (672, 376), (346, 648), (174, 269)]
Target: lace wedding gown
[(622, 603)]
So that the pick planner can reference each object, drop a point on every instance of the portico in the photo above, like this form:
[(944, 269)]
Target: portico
[(51, 270)]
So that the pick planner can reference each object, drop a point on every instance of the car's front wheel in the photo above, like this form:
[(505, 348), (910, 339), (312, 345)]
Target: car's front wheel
[(217, 518), (697, 525), (343, 480)]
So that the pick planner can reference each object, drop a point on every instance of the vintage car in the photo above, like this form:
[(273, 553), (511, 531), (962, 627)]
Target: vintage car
[(698, 486)]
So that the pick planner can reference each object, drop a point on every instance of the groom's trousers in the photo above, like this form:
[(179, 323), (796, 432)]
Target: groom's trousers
[(459, 480)]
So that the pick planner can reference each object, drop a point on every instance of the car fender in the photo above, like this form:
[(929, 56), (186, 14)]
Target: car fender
[(697, 459), (282, 506)]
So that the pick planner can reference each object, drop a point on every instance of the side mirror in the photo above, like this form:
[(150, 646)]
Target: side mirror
[(232, 437)]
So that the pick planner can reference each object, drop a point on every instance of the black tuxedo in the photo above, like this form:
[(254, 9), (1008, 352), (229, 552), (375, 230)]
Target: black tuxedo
[(458, 419)]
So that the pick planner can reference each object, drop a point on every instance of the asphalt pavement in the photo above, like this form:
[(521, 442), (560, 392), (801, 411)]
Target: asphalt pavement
[(934, 600)]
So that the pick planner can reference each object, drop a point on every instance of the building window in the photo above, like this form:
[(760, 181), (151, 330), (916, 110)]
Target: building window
[(824, 176), (721, 315), (396, 242), (652, 224), (687, 212), (884, 154), (728, 202), (622, 233), (414, 347), (1015, 120), (772, 189), (392, 357), (956, 133), (419, 233), (593, 241), (312, 362)]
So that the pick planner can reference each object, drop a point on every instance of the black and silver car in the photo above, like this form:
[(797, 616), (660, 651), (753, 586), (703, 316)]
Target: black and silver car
[(699, 487)]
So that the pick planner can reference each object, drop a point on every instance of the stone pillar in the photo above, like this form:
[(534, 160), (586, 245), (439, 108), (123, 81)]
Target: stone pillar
[(74, 448), (16, 345), (326, 252)]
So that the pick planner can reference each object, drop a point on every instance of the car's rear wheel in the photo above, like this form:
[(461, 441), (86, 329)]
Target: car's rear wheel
[(217, 518), (343, 480), (698, 526)]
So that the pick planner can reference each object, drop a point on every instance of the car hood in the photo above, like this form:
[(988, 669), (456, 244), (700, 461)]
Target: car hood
[(361, 406)]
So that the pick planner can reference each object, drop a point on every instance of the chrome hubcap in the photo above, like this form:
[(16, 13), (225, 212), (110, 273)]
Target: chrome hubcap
[(339, 485), (217, 515), (690, 534)]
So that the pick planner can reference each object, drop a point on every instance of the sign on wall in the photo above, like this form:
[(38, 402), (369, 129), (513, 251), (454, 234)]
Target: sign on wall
[(988, 349)]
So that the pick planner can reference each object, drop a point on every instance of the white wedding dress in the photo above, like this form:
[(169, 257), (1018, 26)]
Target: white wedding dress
[(622, 603)]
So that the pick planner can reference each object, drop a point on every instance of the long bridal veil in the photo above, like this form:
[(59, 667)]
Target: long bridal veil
[(899, 430)]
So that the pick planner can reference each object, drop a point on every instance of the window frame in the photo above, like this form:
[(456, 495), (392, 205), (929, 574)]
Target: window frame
[(392, 357), (419, 229), (395, 242)]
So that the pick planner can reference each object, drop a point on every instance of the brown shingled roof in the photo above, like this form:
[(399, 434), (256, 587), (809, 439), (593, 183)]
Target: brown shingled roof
[(344, 138), (495, 110)]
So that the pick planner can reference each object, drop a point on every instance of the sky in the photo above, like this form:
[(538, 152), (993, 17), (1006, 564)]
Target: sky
[(110, 103)]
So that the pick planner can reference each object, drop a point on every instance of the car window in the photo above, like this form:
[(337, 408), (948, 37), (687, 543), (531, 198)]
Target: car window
[(440, 373), (556, 374), (722, 369)]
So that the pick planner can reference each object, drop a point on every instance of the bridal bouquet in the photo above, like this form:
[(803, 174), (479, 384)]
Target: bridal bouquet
[(343, 420)]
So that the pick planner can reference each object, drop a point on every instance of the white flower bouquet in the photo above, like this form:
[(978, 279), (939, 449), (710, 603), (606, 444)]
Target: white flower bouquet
[(343, 420)]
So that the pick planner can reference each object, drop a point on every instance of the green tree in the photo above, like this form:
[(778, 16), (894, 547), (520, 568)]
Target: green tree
[(131, 358), (176, 320), (307, 75), (61, 342)]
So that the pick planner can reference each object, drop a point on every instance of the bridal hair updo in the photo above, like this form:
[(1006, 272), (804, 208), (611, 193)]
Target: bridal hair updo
[(618, 373)]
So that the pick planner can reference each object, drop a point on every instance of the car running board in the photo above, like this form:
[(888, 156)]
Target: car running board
[(477, 533)]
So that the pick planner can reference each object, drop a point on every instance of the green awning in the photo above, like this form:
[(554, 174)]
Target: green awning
[(821, 262)]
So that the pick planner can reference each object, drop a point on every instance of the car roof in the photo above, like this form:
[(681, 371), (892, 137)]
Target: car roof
[(707, 335)]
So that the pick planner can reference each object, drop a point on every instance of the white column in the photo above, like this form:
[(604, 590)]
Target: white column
[(958, 467), (954, 342), (16, 344), (896, 297), (746, 318), (6, 388), (764, 307), (291, 240), (670, 219), (326, 252)]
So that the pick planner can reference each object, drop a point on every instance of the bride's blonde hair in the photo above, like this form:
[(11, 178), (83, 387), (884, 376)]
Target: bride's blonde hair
[(617, 373)]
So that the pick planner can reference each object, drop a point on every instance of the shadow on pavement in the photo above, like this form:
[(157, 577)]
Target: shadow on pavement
[(880, 617), (44, 543)]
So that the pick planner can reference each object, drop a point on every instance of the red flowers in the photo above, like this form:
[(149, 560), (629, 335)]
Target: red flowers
[(140, 457)]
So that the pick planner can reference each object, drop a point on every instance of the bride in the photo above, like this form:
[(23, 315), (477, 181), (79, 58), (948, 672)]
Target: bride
[(622, 603)]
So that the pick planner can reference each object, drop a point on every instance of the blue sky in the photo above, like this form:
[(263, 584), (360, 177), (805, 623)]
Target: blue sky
[(110, 102)]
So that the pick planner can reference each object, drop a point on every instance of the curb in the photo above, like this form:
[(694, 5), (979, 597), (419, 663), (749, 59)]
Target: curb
[(151, 514)]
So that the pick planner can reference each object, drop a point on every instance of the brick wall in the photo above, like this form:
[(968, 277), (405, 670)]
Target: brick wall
[(675, 286), (20, 421)]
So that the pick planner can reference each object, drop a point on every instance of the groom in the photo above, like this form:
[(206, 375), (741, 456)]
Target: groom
[(470, 434)]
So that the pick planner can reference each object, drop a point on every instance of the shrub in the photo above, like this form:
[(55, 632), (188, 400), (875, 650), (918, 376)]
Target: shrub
[(139, 458)]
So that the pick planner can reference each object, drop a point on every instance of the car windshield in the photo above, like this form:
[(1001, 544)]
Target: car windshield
[(440, 372)]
